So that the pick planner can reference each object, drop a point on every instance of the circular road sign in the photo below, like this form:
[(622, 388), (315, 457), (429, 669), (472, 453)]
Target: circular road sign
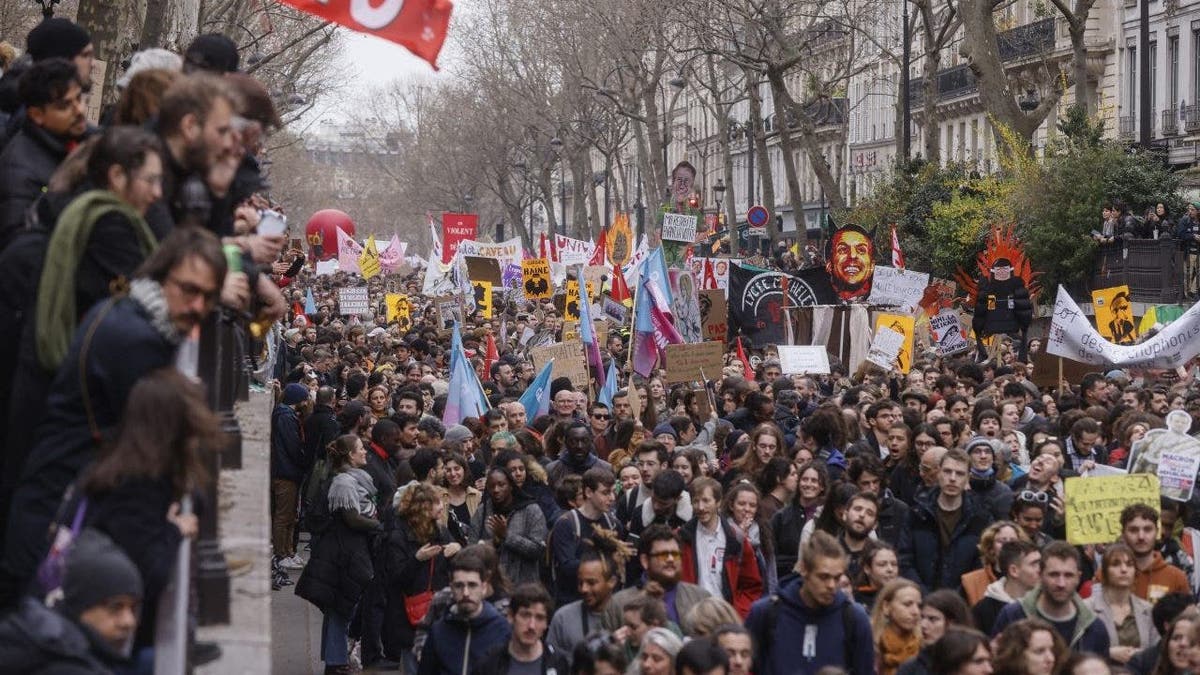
[(757, 216)]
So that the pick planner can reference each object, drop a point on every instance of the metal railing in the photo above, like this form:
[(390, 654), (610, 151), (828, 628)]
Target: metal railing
[(1170, 121), (1029, 40), (1191, 117), (1127, 126)]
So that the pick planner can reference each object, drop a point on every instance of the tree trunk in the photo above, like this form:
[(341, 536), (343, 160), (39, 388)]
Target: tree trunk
[(111, 23), (807, 137), (789, 154), (763, 159), (550, 199), (592, 200), (658, 182), (930, 128), (1083, 84), (171, 24), (579, 200)]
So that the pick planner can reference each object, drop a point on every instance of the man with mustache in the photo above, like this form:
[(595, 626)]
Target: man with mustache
[(851, 262), (118, 342)]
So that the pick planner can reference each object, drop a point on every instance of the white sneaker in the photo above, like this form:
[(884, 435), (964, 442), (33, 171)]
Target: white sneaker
[(292, 563)]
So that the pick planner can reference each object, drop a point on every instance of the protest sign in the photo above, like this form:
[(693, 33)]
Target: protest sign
[(574, 251), (484, 269), (571, 304), (885, 348), (685, 305), (1177, 474), (1114, 315), (449, 308), (483, 297), (398, 309), (456, 228), (1072, 336), (948, 334), (801, 360), (905, 325), (568, 361), (368, 262), (327, 267), (596, 276), (615, 310), (939, 295), (1046, 370), (1169, 453), (679, 227), (897, 288), (353, 301), (684, 362), (1094, 505), (511, 276), (536, 272), (506, 252), (570, 331), (714, 313)]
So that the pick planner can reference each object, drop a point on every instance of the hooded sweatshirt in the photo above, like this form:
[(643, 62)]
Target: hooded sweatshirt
[(457, 645), (1159, 579), (804, 639), (995, 598), (1084, 633)]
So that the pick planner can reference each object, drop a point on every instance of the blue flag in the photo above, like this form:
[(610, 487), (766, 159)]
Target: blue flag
[(610, 385), (310, 303), (466, 397), (536, 398)]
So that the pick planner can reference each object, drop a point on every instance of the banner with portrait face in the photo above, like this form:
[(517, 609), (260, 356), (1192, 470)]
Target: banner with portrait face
[(850, 256), (1114, 315)]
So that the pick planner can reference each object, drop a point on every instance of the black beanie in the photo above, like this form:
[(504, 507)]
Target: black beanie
[(56, 37), (96, 570), (211, 52), (560, 384)]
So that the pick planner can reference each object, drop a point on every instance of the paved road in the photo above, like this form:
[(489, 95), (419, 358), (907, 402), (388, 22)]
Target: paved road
[(295, 632)]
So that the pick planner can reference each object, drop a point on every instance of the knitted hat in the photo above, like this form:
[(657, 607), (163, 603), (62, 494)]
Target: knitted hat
[(96, 570), (56, 38), (666, 428), (980, 440), (457, 434), (150, 59), (560, 384), (212, 52), (295, 393)]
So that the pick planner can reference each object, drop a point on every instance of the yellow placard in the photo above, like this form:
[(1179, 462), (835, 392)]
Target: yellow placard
[(571, 306), (620, 240), (368, 262), (535, 275), (483, 297), (1114, 315), (1094, 505), (905, 325), (398, 309)]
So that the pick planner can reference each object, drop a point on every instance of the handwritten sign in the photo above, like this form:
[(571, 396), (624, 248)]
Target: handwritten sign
[(505, 252), (684, 362), (354, 301), (1072, 336), (897, 288), (948, 334), (679, 227), (803, 360), (905, 325), (537, 285), (568, 362), (484, 270), (573, 251), (714, 314), (1094, 505), (885, 347)]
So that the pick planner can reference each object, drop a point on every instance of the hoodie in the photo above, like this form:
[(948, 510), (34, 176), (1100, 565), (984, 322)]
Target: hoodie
[(457, 645), (995, 599), (37, 639), (803, 639), (1159, 579), (1084, 633)]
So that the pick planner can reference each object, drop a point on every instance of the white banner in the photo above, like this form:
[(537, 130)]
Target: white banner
[(573, 251), (679, 227), (1073, 337), (507, 252), (803, 360), (897, 288)]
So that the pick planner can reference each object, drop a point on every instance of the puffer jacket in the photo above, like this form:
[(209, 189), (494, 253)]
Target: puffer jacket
[(996, 495), (524, 544), (36, 640), (924, 560), (25, 168), (340, 567)]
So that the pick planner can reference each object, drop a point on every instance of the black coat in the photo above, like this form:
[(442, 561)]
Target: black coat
[(288, 461), (36, 640), (499, 661), (1002, 307), (402, 575), (320, 429), (786, 525), (340, 568), (924, 560), (383, 474), (25, 168), (134, 516), (892, 524), (65, 443)]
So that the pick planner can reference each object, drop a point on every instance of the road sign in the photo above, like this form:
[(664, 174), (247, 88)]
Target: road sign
[(757, 218)]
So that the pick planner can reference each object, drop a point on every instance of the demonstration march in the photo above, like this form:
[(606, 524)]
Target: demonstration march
[(887, 409)]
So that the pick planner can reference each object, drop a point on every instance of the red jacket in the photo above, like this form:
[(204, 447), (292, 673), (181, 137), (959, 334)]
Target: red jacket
[(741, 580)]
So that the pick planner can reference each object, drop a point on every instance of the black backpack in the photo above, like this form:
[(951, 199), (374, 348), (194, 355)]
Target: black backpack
[(764, 648)]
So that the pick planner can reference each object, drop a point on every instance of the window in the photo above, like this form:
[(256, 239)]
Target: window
[(1153, 81), (1195, 66), (1131, 95), (1173, 72)]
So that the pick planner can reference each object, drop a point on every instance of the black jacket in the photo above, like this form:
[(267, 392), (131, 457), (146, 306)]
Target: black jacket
[(892, 524), (320, 429), (65, 445), (996, 495), (288, 461), (1002, 307), (383, 472), (36, 640), (786, 525), (340, 567), (925, 560), (402, 575), (25, 168), (498, 661)]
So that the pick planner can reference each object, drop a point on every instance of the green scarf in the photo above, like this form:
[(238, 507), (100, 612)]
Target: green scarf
[(56, 312)]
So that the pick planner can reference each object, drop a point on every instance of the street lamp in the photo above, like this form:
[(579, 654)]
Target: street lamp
[(557, 144), (719, 196)]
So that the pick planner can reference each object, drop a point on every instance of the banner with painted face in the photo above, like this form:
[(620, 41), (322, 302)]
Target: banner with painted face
[(1114, 315), (756, 300), (850, 263)]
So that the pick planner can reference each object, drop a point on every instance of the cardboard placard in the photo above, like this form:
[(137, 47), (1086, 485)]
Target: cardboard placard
[(714, 314), (948, 334), (537, 284), (1094, 505), (679, 227), (684, 362), (449, 308), (803, 360), (568, 362), (484, 269), (1045, 370), (885, 348), (894, 287), (398, 309), (354, 301)]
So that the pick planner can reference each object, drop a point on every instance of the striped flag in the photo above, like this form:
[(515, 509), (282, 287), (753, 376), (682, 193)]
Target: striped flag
[(435, 237), (897, 254)]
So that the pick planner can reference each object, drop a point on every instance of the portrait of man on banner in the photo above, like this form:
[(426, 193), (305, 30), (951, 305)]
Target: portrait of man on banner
[(1114, 315), (850, 261)]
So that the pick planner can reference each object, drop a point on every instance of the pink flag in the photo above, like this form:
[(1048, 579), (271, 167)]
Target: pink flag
[(349, 251), (393, 256)]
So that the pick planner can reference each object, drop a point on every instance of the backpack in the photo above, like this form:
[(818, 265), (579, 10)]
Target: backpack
[(549, 571), (317, 517), (773, 625)]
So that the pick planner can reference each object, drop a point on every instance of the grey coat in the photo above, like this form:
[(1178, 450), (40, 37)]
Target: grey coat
[(524, 545), (1141, 616)]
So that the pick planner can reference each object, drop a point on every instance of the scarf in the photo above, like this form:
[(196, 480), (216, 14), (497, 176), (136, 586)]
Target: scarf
[(148, 294), (57, 315), (353, 489), (895, 649)]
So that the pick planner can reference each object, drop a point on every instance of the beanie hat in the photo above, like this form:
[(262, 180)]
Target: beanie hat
[(150, 59), (980, 440), (212, 52), (457, 434), (560, 384), (294, 393), (96, 570), (56, 38), (666, 428)]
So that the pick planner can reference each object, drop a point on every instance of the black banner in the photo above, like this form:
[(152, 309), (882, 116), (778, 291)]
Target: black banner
[(756, 300)]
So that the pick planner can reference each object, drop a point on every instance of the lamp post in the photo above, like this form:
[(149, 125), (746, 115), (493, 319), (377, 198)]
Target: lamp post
[(718, 191), (557, 144)]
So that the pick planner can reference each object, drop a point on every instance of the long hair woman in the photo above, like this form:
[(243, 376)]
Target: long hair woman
[(1029, 647), (766, 441), (777, 483), (1125, 616), (994, 536), (880, 565), (742, 507), (896, 624), (961, 651), (414, 559), (134, 489), (1175, 647), (788, 523), (513, 523), (460, 498), (941, 611), (340, 567)]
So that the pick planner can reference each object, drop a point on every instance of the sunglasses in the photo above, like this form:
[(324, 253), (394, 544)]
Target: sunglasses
[(1033, 496), (601, 417)]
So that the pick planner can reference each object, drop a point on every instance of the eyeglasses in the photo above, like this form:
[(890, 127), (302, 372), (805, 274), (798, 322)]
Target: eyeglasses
[(1033, 496), (596, 416), (667, 555)]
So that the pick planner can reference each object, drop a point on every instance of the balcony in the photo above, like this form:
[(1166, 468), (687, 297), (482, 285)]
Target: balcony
[(1170, 121), (951, 83), (1127, 126), (1191, 118), (1029, 40)]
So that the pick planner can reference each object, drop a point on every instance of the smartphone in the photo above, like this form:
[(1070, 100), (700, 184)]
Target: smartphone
[(272, 223)]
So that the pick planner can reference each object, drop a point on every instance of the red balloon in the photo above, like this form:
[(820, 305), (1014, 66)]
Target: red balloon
[(321, 232)]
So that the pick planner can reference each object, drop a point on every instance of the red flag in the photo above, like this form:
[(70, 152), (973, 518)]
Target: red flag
[(746, 369), (417, 25), (491, 355), (897, 254), (601, 248), (620, 290), (709, 283)]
